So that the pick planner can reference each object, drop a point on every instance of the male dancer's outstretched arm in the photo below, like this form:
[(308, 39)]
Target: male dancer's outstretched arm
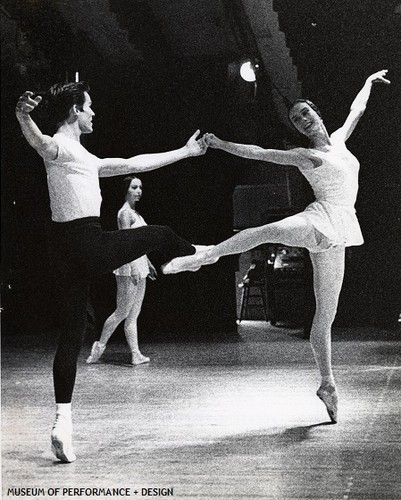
[(146, 162), (47, 147)]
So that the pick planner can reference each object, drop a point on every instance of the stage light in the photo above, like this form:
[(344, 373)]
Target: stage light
[(248, 71)]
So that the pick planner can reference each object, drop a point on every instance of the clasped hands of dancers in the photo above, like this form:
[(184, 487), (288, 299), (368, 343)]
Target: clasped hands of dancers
[(81, 249)]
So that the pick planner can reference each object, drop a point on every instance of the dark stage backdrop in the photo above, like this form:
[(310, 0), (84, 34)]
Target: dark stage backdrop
[(155, 103)]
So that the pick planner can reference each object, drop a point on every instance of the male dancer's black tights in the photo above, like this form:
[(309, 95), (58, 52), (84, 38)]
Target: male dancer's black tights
[(80, 250)]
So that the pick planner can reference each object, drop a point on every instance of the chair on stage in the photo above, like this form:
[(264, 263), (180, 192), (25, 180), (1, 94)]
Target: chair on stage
[(278, 286), (281, 280), (254, 290)]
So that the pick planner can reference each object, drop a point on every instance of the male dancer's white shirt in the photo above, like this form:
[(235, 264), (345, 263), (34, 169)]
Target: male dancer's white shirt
[(73, 181)]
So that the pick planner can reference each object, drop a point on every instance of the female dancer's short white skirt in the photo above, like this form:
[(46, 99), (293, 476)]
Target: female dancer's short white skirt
[(321, 226), (334, 225), (139, 267)]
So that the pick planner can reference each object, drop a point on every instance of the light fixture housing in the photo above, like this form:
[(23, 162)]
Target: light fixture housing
[(248, 71)]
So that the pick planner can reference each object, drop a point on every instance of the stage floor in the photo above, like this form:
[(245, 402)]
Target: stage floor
[(235, 418)]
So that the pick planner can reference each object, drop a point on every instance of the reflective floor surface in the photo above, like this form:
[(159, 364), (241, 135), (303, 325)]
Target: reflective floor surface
[(231, 418)]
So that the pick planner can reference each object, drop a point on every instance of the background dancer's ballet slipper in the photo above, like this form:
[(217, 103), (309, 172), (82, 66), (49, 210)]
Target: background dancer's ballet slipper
[(138, 358)]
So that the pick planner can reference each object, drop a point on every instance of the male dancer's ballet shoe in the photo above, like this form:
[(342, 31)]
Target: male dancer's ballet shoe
[(61, 438), (138, 358), (189, 262), (96, 352), (328, 394)]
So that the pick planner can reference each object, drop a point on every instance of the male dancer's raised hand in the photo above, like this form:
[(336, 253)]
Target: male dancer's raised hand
[(196, 147)]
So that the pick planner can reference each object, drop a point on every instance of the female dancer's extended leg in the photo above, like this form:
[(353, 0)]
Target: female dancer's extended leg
[(328, 269), (129, 300), (328, 273), (293, 231)]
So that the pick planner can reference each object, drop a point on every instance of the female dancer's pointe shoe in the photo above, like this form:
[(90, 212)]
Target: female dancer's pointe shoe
[(328, 394), (96, 352), (181, 264), (202, 248), (190, 262), (138, 358)]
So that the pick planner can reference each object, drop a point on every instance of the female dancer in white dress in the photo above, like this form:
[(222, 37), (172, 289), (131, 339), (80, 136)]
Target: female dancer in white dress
[(325, 228), (131, 283)]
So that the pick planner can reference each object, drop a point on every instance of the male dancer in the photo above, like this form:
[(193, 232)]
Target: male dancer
[(80, 249)]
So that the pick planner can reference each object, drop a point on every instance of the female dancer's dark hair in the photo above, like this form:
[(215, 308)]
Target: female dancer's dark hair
[(127, 182), (309, 103)]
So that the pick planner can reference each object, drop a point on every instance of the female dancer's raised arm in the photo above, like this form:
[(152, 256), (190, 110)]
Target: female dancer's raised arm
[(359, 104)]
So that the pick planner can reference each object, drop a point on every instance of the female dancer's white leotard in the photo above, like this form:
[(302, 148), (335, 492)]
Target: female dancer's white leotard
[(139, 266), (335, 185)]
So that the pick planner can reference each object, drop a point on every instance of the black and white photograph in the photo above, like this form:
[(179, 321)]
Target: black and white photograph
[(201, 249)]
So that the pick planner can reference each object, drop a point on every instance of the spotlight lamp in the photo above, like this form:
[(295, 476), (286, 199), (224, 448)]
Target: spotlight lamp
[(248, 71)]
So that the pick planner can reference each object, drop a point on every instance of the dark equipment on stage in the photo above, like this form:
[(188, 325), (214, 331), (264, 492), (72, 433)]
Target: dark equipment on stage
[(270, 283)]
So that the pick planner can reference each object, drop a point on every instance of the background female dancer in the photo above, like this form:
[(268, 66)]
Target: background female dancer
[(325, 228), (131, 283), (79, 246)]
